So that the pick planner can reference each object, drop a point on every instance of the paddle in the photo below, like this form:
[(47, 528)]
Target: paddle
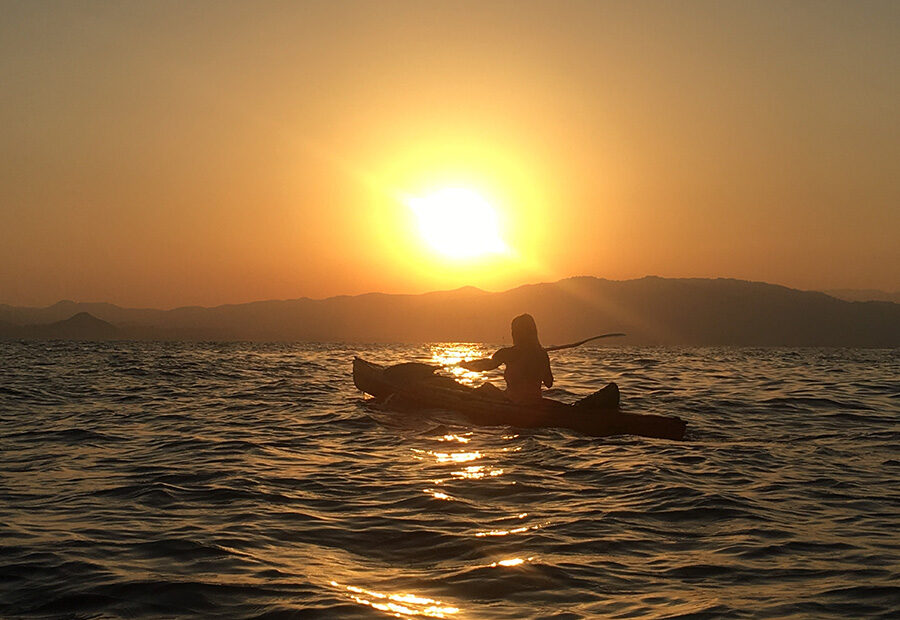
[(490, 364), (559, 347)]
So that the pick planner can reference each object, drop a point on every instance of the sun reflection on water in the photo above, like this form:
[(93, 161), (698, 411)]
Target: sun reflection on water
[(456, 457), (443, 458), (460, 438), (400, 605), (515, 530), (476, 472), (453, 353), (511, 562), (438, 494), (470, 472), (449, 355)]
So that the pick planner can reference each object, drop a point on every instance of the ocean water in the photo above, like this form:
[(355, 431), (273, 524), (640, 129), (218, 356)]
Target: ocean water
[(253, 481)]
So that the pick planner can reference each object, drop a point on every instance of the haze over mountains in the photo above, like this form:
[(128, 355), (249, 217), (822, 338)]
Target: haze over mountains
[(650, 310)]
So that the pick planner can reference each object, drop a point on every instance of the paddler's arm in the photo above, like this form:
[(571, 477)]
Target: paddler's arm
[(491, 363), (481, 365)]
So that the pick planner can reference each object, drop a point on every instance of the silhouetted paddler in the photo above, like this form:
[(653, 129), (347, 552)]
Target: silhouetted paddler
[(527, 364)]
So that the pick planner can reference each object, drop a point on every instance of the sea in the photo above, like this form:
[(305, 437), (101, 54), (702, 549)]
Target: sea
[(246, 480)]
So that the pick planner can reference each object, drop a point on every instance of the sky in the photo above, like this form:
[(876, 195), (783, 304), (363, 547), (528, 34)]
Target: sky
[(166, 153)]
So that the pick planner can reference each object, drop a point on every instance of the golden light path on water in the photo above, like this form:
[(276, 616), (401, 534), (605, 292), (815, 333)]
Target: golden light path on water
[(448, 356), (464, 438), (474, 468), (400, 605)]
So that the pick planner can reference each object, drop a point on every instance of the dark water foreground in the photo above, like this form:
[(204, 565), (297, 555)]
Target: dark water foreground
[(238, 480)]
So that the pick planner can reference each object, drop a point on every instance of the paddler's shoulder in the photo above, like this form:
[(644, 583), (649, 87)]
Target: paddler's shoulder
[(504, 354)]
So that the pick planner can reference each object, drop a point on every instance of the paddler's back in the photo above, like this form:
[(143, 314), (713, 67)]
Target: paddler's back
[(526, 368)]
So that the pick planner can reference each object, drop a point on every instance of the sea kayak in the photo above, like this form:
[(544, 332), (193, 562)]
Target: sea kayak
[(414, 385)]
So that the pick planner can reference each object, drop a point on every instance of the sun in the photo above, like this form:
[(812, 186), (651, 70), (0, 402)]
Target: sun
[(457, 223)]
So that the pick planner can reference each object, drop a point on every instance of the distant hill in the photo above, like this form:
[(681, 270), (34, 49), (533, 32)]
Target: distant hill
[(868, 294), (80, 326), (650, 310)]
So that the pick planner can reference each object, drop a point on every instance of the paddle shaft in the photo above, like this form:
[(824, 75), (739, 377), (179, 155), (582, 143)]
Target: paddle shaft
[(559, 347)]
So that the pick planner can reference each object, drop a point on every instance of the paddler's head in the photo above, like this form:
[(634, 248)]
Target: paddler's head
[(524, 331)]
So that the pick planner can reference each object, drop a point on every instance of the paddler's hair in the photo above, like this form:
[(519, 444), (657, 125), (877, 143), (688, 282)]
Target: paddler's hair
[(524, 331)]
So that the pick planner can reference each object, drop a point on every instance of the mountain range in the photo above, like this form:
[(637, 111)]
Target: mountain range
[(650, 310)]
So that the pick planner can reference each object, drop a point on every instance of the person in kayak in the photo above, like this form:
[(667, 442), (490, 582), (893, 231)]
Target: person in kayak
[(527, 364)]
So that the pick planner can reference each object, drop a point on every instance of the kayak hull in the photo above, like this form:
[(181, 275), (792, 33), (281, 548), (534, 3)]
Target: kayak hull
[(415, 385)]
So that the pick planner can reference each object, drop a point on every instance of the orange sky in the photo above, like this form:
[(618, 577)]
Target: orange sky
[(163, 154)]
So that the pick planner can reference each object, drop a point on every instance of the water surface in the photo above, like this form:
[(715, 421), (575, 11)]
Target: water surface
[(252, 480)]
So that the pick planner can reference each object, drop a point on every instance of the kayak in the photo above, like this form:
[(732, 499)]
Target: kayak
[(414, 385)]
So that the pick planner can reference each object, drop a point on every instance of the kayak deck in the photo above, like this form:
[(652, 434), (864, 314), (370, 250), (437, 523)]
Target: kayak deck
[(417, 386)]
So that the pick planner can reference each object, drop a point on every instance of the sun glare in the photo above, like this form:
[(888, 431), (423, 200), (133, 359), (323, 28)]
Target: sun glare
[(457, 223)]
